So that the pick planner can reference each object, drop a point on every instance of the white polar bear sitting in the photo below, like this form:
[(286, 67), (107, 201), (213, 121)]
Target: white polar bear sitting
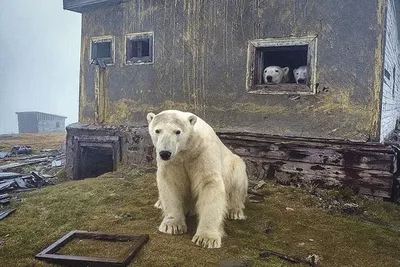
[(300, 75), (195, 169), (276, 74)]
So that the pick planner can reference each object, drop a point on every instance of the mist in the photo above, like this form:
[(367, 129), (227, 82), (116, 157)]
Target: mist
[(39, 60)]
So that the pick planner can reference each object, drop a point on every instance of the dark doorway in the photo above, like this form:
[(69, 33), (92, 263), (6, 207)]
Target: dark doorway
[(96, 161), (95, 155)]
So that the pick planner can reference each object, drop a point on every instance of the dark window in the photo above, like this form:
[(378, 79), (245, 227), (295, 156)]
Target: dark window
[(57, 124), (394, 81), (288, 54), (139, 48), (102, 50), (387, 74)]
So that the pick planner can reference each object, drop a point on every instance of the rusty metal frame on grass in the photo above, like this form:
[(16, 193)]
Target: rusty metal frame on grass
[(48, 254)]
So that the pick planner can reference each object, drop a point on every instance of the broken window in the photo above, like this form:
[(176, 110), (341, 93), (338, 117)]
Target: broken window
[(139, 48), (102, 50), (282, 66)]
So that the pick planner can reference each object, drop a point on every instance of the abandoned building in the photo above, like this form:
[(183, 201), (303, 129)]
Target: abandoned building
[(208, 57), (39, 122)]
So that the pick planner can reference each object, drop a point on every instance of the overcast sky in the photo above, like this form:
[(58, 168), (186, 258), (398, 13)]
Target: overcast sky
[(39, 60)]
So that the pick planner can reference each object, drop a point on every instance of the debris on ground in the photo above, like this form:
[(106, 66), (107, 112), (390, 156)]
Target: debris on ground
[(49, 253), (20, 150), (5, 213), (311, 260), (23, 181), (22, 170)]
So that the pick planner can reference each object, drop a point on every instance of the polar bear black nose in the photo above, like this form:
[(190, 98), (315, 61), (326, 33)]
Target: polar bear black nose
[(301, 81), (269, 78), (165, 155)]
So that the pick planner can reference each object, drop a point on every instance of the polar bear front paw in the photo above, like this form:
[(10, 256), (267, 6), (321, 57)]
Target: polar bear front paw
[(236, 214), (206, 241), (171, 227)]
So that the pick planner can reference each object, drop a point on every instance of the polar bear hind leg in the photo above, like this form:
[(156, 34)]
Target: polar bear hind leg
[(238, 190)]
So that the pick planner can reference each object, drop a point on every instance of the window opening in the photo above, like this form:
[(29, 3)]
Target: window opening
[(102, 51), (139, 48), (282, 66)]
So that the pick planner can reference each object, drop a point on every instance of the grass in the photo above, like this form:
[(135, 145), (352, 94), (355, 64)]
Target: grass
[(122, 202), (36, 141)]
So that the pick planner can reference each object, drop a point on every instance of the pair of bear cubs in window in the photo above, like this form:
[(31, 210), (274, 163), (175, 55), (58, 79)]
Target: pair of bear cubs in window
[(276, 74)]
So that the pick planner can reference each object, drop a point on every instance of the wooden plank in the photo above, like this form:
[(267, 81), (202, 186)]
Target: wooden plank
[(351, 157), (377, 183), (304, 142)]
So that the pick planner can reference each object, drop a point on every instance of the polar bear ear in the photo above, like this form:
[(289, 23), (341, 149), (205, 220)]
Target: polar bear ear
[(150, 117), (294, 71), (286, 70), (192, 119)]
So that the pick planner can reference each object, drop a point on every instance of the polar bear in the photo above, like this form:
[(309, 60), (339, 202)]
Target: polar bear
[(276, 74), (195, 170), (300, 75)]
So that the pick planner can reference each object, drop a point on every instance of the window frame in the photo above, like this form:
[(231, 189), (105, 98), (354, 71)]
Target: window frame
[(254, 64), (102, 39), (129, 39)]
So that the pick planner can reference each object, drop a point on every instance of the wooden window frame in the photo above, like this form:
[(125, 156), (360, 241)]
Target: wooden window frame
[(102, 39), (255, 68), (50, 255), (132, 37)]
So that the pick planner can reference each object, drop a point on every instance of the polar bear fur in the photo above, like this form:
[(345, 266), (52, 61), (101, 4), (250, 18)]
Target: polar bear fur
[(196, 173), (300, 75), (276, 74)]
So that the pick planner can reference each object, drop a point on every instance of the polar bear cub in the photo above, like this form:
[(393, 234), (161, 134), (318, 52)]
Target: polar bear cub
[(300, 75), (276, 74), (195, 170)]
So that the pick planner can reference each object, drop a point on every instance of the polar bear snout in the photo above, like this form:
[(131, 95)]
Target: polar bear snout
[(301, 81), (165, 154), (269, 78)]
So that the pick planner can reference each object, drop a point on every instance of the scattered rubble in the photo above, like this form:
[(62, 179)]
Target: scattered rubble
[(20, 150), (21, 170)]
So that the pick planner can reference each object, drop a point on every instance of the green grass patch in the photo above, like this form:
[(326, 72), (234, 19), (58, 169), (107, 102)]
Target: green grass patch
[(122, 202)]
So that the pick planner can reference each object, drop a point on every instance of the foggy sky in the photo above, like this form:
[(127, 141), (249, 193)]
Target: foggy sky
[(39, 60)]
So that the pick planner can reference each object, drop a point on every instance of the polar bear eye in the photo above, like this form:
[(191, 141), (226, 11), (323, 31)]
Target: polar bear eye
[(157, 131), (276, 71), (297, 73), (178, 132)]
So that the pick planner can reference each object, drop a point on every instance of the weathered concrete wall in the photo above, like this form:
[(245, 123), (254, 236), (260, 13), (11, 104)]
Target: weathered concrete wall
[(391, 76), (200, 64), (135, 144)]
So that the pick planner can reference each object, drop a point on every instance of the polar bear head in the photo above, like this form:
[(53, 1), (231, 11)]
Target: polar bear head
[(300, 75), (275, 74), (170, 131)]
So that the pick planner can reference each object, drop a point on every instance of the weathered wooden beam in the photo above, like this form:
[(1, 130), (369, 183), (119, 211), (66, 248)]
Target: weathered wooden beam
[(366, 168)]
